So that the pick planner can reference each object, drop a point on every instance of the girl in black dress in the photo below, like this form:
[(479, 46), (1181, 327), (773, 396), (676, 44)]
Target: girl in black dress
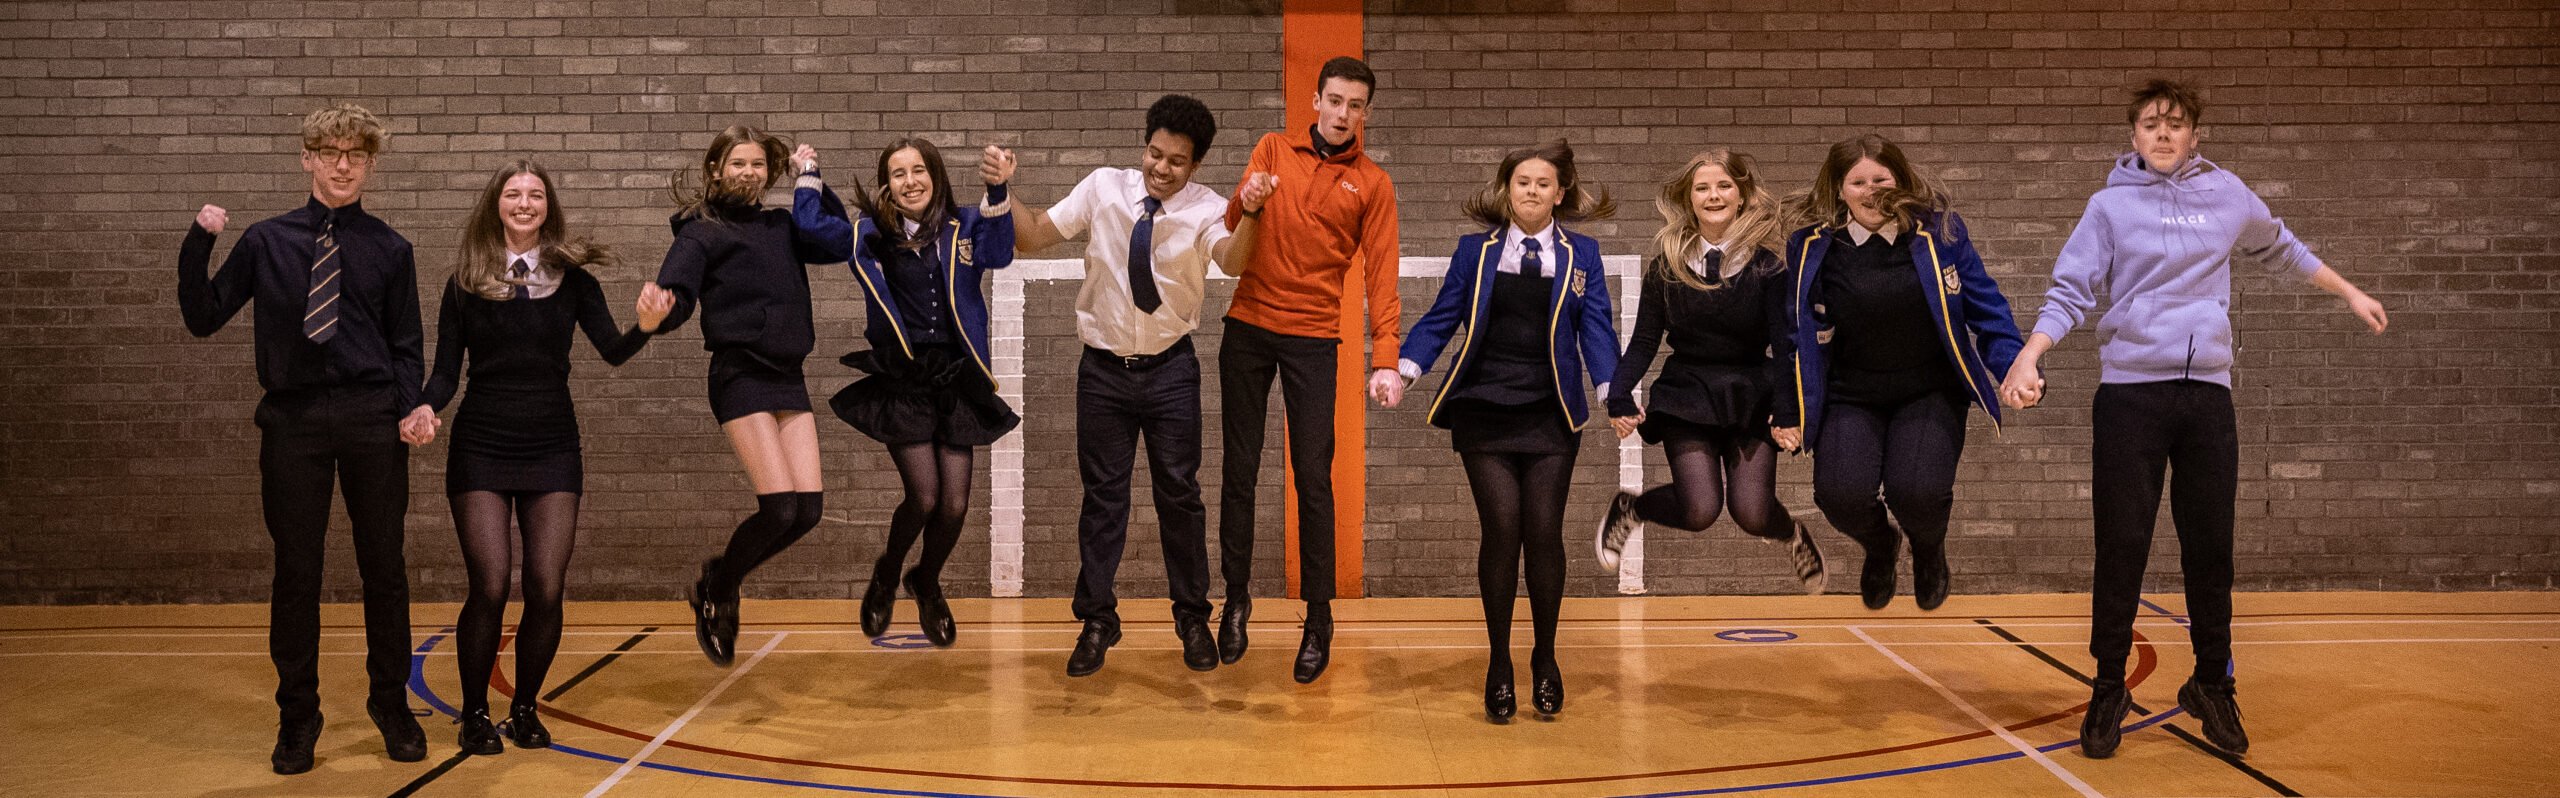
[(1527, 304), (744, 264), (929, 395), (1715, 287), (521, 286)]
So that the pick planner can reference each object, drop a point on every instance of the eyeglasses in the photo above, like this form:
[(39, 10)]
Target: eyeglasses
[(334, 155)]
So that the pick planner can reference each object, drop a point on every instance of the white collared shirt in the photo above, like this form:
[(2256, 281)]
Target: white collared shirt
[(527, 267), (1187, 230), (1858, 233), (1512, 249), (1699, 264)]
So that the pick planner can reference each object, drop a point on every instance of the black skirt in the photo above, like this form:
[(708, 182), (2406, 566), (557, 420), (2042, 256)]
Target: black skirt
[(1706, 400), (1482, 428), (509, 438), (939, 396), (744, 383)]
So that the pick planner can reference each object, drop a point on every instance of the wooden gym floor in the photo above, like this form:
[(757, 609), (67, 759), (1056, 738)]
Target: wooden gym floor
[(2345, 694)]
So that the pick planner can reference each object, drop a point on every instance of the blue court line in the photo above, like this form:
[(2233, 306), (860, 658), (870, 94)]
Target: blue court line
[(2164, 611)]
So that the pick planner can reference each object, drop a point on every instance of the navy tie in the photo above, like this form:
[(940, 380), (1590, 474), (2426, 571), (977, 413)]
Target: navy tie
[(320, 317), (1142, 271), (1529, 264), (520, 272)]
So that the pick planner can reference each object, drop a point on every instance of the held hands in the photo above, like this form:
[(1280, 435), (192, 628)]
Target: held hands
[(1386, 387), (1626, 425), (804, 160), (995, 167), (1257, 190), (654, 305), (213, 217), (2024, 387), (1788, 438), (419, 429)]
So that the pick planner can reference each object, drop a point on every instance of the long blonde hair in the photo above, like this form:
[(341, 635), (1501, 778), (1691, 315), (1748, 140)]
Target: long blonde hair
[(482, 267), (1754, 229)]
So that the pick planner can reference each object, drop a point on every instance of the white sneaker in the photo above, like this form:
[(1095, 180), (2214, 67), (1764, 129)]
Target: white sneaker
[(1616, 527)]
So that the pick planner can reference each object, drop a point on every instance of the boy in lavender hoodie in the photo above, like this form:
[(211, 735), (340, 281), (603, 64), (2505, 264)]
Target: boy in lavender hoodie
[(2158, 241)]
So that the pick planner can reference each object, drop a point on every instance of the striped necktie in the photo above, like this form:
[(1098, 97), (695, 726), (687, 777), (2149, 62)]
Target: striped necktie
[(320, 320)]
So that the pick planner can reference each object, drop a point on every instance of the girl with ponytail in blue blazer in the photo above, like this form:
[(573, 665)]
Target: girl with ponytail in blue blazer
[(1897, 328), (1527, 304), (929, 394)]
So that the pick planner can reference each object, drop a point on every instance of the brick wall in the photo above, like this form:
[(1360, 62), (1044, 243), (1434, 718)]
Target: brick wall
[(2406, 142)]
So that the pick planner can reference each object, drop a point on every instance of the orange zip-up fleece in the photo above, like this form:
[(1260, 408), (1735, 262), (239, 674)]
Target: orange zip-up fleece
[(1325, 211)]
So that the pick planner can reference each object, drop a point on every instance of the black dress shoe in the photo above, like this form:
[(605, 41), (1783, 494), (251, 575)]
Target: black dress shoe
[(1876, 584), (1231, 623), (1097, 639), (1315, 649), (1199, 650), (1546, 690), (401, 737), (479, 735), (2103, 727), (933, 613), (524, 726), (294, 741), (1500, 703), (879, 603), (1929, 577), (710, 619)]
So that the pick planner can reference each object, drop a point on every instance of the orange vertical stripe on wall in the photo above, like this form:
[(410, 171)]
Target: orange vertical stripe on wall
[(1312, 31)]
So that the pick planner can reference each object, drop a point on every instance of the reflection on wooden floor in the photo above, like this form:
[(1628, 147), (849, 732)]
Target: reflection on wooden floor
[(2345, 694)]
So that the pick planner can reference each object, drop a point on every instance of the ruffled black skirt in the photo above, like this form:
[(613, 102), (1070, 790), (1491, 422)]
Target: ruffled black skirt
[(939, 396)]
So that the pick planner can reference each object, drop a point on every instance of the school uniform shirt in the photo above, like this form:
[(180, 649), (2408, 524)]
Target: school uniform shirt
[(1188, 227), (379, 340)]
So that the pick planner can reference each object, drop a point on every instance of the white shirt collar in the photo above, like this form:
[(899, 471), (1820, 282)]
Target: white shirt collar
[(1699, 264), (538, 282), (1858, 233), (908, 226), (1512, 249)]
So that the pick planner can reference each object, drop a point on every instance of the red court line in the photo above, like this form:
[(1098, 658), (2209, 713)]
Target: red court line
[(2147, 660)]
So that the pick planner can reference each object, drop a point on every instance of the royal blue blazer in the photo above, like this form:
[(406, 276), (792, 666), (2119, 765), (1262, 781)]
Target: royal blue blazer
[(1582, 329), (969, 246), (1966, 309)]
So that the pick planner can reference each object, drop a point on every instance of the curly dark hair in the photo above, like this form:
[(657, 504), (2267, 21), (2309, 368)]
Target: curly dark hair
[(1185, 117)]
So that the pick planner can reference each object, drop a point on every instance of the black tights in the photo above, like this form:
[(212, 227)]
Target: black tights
[(1520, 503), (549, 525), (936, 477), (1706, 470)]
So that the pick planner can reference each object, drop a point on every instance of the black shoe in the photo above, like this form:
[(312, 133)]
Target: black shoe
[(401, 737), (294, 742), (1315, 649), (479, 736), (715, 623), (524, 726), (2216, 705), (1929, 577), (933, 613), (879, 603), (1808, 558), (1231, 623), (1500, 703), (1546, 689), (1877, 583), (1199, 650), (1097, 639), (1617, 526), (2103, 726)]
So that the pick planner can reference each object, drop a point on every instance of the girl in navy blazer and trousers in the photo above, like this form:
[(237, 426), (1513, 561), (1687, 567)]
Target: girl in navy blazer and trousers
[(1527, 304), (1897, 328), (929, 394)]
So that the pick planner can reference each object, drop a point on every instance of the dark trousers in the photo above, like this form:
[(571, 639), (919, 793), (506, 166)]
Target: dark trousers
[(1116, 400), (1246, 363), (2137, 429), (349, 434), (1900, 458)]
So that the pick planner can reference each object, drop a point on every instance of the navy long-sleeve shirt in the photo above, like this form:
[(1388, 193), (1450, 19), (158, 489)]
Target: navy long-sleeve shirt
[(379, 338)]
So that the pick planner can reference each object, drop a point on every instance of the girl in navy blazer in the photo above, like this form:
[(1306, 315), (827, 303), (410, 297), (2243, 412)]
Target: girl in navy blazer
[(1527, 304), (1717, 290), (929, 394), (1897, 328)]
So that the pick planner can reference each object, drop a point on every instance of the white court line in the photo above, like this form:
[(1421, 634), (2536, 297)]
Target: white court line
[(1416, 647), (1978, 717), (678, 725)]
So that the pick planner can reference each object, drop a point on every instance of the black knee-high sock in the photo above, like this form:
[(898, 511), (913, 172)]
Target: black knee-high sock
[(775, 515), (807, 509)]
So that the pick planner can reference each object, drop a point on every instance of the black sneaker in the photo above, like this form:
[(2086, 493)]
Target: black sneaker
[(1808, 559), (1616, 527), (402, 740), (2216, 704), (2103, 726), (294, 741)]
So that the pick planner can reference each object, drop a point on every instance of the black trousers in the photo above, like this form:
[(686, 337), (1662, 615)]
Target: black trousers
[(1117, 400), (1900, 458), (349, 434), (1246, 363), (2137, 429)]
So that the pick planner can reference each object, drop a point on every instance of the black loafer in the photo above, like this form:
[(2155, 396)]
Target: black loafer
[(1500, 702), (479, 735), (1097, 640), (524, 726), (1876, 584), (1929, 576), (1315, 649), (1199, 650), (1231, 625), (932, 612), (709, 621), (879, 604), (1546, 690)]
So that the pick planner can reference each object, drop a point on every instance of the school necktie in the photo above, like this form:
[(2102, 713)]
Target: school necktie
[(320, 315), (1142, 272), (519, 272), (1529, 265)]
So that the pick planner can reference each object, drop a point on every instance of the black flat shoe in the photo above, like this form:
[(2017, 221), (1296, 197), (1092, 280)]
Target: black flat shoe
[(1500, 703), (1546, 690), (401, 737), (524, 726), (932, 612), (709, 621), (1929, 576), (294, 742), (1876, 583), (1199, 650), (1097, 640), (879, 604), (1315, 649), (1231, 624), (479, 736)]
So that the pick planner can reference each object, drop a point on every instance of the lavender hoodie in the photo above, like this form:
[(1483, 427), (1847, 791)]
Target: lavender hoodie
[(2161, 246)]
